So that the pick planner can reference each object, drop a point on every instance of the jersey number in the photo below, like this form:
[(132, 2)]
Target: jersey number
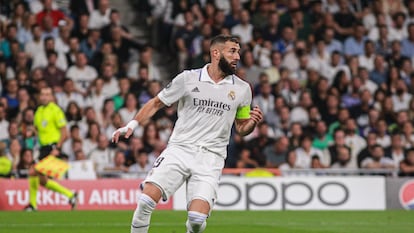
[(158, 161)]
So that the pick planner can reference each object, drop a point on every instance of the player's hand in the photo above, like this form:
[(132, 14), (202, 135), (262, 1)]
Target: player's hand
[(256, 114), (125, 131), (55, 152)]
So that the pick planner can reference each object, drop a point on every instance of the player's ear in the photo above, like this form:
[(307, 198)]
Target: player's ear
[(216, 52)]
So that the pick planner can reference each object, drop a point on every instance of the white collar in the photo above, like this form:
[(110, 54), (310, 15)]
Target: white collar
[(205, 77)]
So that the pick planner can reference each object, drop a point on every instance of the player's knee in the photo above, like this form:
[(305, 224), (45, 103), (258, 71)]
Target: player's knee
[(42, 180), (143, 212), (196, 222)]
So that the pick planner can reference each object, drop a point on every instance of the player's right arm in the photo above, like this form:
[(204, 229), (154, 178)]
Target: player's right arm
[(169, 95), (143, 115)]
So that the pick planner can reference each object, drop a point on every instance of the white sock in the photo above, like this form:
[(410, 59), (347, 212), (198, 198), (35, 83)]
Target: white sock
[(196, 222), (142, 214)]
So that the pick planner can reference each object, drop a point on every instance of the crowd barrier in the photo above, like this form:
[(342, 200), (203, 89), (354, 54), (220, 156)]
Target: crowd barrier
[(235, 193)]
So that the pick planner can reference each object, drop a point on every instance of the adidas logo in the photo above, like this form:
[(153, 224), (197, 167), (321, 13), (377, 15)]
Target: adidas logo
[(195, 89)]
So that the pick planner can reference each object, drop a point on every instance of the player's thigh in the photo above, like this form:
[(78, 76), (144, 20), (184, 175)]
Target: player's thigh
[(169, 172), (204, 180)]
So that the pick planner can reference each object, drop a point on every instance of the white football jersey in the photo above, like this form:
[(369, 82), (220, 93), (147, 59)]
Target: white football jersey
[(206, 110)]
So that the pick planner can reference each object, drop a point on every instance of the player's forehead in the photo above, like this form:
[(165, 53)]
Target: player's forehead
[(231, 45)]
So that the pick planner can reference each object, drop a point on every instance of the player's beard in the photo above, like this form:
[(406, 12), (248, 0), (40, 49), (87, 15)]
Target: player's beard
[(226, 67)]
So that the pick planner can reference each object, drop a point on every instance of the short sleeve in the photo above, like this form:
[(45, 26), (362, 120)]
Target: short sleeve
[(173, 91), (243, 110), (60, 119)]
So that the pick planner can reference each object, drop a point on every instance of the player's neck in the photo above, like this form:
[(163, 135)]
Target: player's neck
[(215, 73)]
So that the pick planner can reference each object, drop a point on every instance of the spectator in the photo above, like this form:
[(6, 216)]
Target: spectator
[(100, 16), (111, 86), (115, 20), (276, 153), (305, 152), (81, 31), (55, 15), (80, 7), (316, 163), (80, 155), (24, 33), (407, 44), (130, 108), (407, 165), (377, 160), (116, 168), (25, 162), (286, 43), (145, 59), (81, 73), (102, 156), (273, 72), (353, 140), (106, 113), (366, 59), (396, 150), (114, 123), (152, 90), (401, 98), (92, 138), (339, 141), (322, 139), (73, 115), (142, 166), (354, 45), (121, 47), (5, 44), (67, 147), (95, 98), (344, 158), (381, 129), (265, 100), (69, 94), (245, 159), (259, 142), (53, 75), (366, 82), (92, 43), (407, 135), (150, 137), (395, 58), (244, 29), (290, 161), (40, 57), (74, 48), (331, 44), (300, 113), (271, 31)]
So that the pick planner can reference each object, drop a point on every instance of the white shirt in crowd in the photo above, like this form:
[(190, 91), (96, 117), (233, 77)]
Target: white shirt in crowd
[(98, 20), (82, 77)]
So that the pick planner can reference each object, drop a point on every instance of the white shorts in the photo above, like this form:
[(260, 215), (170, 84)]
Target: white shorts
[(198, 167)]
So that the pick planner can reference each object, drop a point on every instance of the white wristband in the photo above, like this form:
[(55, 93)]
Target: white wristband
[(132, 124)]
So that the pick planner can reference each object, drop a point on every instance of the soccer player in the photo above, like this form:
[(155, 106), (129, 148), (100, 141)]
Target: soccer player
[(209, 99), (50, 123)]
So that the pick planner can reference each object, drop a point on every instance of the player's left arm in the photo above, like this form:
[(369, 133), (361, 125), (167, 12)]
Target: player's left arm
[(245, 123)]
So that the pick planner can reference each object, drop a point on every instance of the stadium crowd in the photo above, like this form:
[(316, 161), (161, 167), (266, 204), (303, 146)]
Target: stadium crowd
[(334, 79)]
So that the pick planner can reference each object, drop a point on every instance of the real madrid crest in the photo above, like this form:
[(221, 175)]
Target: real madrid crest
[(231, 95)]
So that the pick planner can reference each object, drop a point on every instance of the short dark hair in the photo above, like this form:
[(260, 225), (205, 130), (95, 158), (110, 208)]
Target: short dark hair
[(221, 39)]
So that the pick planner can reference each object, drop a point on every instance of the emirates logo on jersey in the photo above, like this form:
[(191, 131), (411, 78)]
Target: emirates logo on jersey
[(232, 95)]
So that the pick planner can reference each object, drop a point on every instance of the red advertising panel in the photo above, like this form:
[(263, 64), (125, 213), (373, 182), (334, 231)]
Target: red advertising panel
[(103, 194)]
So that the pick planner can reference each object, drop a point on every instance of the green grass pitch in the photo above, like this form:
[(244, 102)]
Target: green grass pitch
[(219, 222)]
